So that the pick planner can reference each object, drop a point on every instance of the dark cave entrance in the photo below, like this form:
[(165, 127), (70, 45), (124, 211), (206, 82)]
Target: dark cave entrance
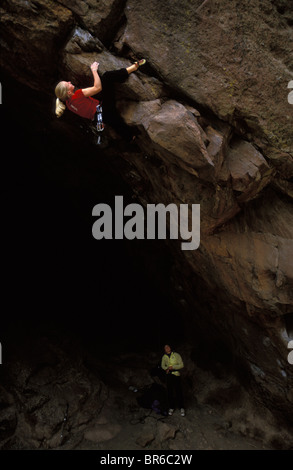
[(112, 294)]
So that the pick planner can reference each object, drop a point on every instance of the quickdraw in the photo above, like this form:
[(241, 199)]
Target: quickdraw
[(100, 124)]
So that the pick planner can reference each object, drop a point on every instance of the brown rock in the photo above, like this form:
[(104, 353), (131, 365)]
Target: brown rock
[(145, 438), (102, 433), (217, 146), (254, 265), (174, 132), (249, 171), (8, 422), (30, 35), (100, 18), (217, 58), (165, 432)]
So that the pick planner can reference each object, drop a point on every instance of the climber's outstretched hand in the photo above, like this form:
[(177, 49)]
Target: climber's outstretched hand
[(95, 66), (97, 87)]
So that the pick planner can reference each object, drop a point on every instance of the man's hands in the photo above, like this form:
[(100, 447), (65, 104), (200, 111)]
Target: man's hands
[(95, 66), (170, 368)]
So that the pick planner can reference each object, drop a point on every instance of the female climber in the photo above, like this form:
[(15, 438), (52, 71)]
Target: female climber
[(81, 101)]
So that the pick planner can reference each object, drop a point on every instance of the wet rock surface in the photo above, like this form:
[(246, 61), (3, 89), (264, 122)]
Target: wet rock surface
[(214, 128)]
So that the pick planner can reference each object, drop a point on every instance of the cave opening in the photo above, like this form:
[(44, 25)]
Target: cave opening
[(112, 294)]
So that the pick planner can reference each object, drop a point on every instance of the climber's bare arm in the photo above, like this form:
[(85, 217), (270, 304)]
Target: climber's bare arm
[(97, 87)]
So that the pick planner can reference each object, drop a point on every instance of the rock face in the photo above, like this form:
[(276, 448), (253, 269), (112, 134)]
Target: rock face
[(47, 390), (215, 128), (223, 59)]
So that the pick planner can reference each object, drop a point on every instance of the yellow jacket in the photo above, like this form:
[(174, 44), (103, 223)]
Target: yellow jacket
[(174, 360)]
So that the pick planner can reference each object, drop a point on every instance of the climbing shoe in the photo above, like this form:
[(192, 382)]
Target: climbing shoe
[(140, 62)]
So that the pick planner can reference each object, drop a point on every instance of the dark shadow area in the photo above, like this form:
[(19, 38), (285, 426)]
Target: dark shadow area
[(288, 319), (57, 277)]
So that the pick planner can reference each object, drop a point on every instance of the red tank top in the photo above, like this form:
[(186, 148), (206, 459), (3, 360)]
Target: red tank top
[(84, 106)]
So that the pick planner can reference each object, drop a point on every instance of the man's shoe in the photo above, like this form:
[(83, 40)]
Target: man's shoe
[(182, 412), (170, 412)]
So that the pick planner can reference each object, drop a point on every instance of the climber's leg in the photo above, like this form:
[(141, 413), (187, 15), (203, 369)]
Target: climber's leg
[(120, 75), (110, 113), (135, 66), (114, 76)]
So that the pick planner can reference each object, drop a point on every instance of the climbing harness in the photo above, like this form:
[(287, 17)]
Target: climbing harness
[(100, 125)]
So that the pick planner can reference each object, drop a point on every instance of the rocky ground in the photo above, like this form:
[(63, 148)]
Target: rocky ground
[(75, 398), (210, 423)]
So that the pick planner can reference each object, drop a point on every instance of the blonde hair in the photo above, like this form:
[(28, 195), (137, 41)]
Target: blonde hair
[(61, 93)]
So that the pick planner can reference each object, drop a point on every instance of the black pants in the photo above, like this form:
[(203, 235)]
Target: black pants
[(175, 396), (107, 96)]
